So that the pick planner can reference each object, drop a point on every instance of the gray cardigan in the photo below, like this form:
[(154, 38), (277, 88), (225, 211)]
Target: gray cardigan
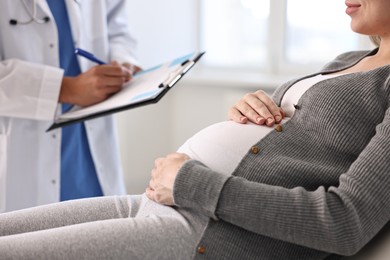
[(317, 189)]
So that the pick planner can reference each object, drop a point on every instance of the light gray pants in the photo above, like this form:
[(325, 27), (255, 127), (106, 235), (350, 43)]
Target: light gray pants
[(125, 227)]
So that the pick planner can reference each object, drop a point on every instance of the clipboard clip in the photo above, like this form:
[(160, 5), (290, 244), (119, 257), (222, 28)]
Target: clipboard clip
[(176, 75), (185, 66), (171, 80)]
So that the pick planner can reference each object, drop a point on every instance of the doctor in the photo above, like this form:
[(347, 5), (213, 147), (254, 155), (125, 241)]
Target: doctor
[(40, 77)]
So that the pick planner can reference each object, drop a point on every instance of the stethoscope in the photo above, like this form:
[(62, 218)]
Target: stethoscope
[(32, 14)]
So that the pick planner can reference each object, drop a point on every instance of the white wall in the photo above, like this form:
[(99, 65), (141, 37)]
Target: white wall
[(151, 131), (164, 30), (167, 29)]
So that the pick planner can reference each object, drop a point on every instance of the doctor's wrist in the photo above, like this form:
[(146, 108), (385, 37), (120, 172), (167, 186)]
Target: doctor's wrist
[(66, 92)]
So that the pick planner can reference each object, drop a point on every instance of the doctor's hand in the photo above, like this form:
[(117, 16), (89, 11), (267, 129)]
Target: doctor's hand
[(163, 178), (258, 108), (94, 85), (132, 68)]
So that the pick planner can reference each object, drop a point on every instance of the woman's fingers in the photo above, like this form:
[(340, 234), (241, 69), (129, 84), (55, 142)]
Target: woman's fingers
[(253, 109), (235, 115), (258, 108), (273, 111)]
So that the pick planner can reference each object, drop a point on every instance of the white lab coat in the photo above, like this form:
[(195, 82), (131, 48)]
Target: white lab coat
[(29, 88)]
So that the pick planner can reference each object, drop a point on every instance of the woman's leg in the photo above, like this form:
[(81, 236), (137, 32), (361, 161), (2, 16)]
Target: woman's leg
[(152, 232), (68, 213)]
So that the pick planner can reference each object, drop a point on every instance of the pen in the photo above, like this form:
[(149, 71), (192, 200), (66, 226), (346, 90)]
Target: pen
[(88, 56)]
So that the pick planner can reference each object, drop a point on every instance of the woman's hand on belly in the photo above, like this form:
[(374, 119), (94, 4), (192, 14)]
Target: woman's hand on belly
[(163, 177), (258, 108)]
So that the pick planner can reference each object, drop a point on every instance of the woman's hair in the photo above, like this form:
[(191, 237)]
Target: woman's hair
[(375, 39)]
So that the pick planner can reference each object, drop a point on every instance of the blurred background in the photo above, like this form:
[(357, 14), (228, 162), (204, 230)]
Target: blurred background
[(249, 44)]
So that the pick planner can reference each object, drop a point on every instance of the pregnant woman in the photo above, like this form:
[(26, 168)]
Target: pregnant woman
[(313, 186)]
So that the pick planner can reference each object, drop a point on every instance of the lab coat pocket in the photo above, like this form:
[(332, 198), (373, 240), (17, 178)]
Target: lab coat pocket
[(3, 169)]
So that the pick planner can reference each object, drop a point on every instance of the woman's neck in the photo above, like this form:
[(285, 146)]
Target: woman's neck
[(383, 52)]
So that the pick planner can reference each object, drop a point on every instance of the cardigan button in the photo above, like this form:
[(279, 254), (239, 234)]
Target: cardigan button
[(279, 128), (201, 250), (255, 149), (297, 107)]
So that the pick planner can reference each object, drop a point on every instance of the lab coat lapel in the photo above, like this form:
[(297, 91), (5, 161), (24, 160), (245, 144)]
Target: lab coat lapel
[(75, 20), (44, 7), (74, 13)]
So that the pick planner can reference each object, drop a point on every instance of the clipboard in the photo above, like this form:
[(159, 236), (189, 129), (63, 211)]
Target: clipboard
[(146, 87)]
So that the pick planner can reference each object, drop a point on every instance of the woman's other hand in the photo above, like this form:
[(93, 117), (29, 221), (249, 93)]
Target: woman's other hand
[(258, 108), (163, 178)]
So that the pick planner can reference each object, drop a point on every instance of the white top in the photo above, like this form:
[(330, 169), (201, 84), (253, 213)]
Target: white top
[(294, 93), (221, 146)]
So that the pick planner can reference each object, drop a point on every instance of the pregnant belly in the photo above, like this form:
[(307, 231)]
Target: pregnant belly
[(221, 146)]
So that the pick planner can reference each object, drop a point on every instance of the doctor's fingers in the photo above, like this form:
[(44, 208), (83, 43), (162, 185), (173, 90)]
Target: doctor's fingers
[(133, 68), (95, 95), (92, 94), (107, 82), (107, 91), (112, 70)]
